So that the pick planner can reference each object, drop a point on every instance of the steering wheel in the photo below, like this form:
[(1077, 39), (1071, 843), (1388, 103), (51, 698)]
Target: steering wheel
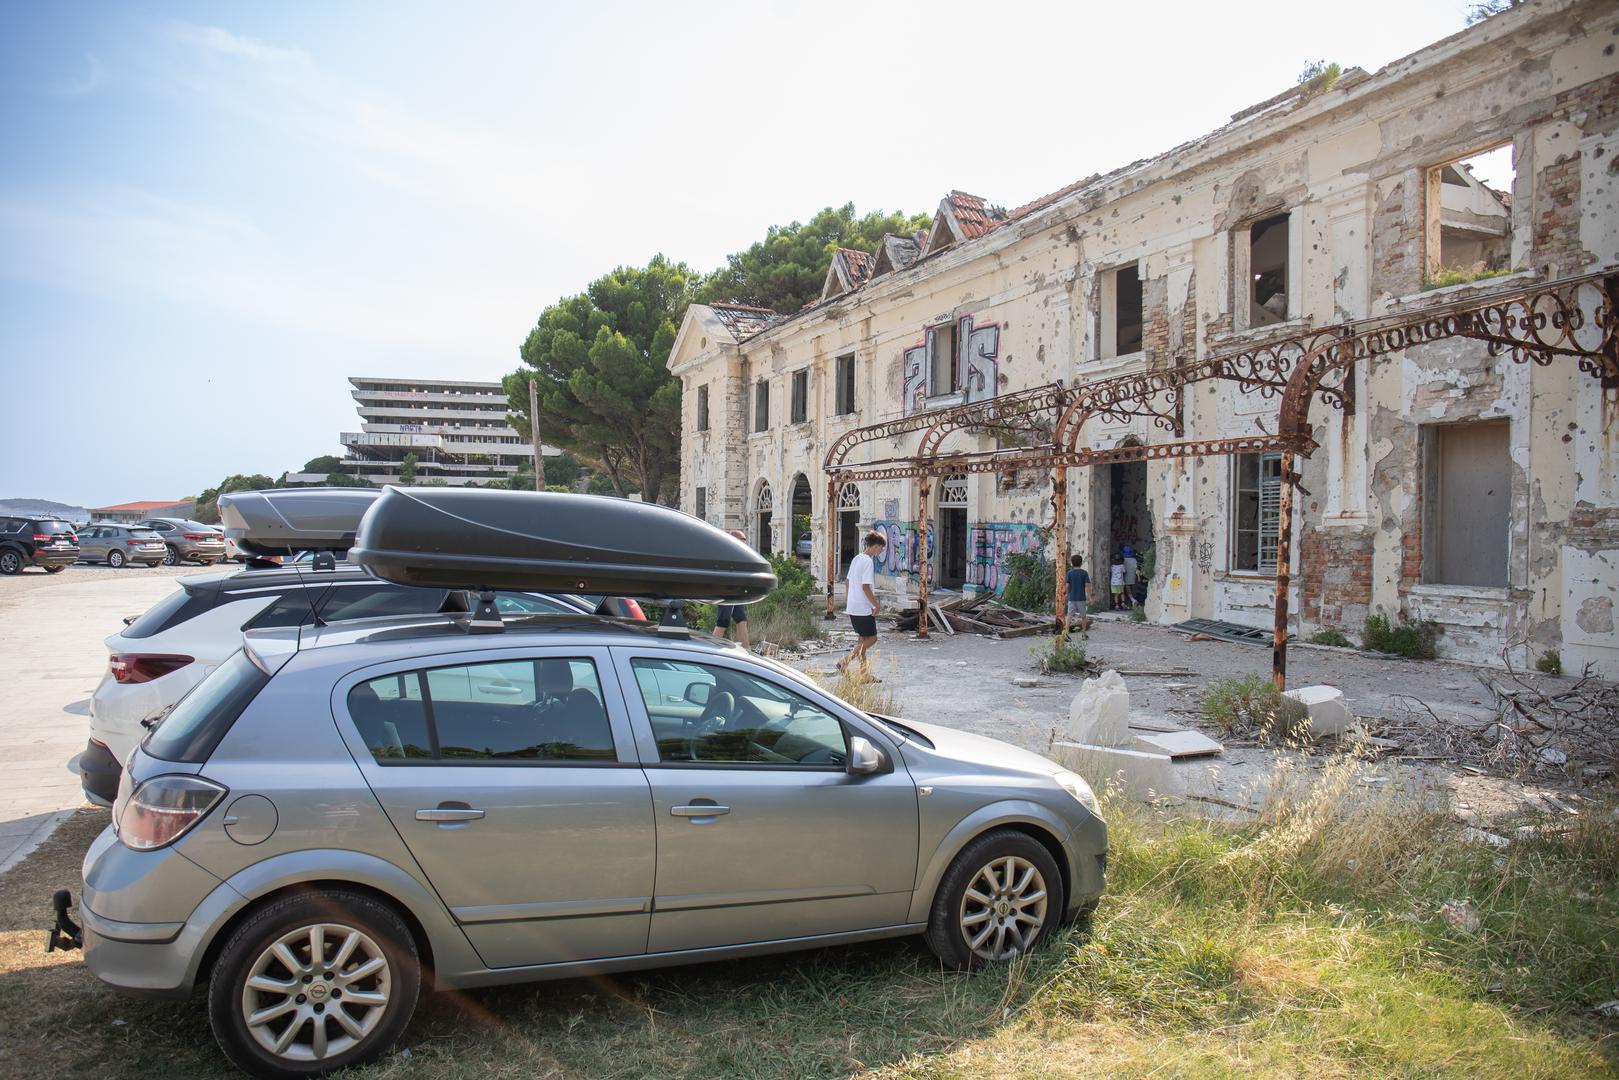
[(718, 713)]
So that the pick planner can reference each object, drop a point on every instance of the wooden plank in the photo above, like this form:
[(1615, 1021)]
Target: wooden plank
[(1166, 674), (1028, 631), (971, 626)]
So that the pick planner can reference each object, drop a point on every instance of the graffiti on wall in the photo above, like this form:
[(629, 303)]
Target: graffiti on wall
[(989, 546), (977, 363)]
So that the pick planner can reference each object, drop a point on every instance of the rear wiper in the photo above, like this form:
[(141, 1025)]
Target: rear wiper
[(156, 718)]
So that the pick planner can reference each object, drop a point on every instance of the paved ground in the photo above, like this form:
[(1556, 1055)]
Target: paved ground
[(51, 657)]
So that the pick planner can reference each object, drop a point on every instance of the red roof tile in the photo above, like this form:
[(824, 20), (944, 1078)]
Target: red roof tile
[(975, 216), (136, 507)]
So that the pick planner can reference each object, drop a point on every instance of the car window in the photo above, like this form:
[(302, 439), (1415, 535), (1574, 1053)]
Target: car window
[(516, 710), (144, 534), (170, 611), (339, 602), (53, 527), (712, 714), (508, 603), (194, 727)]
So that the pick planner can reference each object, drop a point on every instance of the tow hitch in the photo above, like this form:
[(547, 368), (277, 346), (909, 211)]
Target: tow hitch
[(65, 934)]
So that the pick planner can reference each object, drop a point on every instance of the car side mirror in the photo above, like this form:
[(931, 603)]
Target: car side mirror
[(698, 693), (864, 757)]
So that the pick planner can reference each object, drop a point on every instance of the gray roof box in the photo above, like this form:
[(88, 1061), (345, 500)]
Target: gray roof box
[(289, 520), (470, 538)]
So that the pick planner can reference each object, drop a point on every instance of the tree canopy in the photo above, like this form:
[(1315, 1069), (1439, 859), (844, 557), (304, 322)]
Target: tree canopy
[(786, 269), (207, 504), (326, 463), (599, 360)]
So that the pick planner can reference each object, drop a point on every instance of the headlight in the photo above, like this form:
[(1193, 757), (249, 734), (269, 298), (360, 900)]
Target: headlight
[(1076, 786)]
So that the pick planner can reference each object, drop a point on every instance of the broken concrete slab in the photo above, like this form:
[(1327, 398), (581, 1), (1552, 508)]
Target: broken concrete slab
[(1328, 713), (1184, 743), (1100, 713)]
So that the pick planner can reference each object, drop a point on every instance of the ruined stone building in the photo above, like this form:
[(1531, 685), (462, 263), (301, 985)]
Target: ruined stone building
[(1457, 486)]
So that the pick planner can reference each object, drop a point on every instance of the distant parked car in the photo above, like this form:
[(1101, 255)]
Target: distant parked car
[(806, 545), (119, 545), (47, 543), (234, 553), (188, 541)]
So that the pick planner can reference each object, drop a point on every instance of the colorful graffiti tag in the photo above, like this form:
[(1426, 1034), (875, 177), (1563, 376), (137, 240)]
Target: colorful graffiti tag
[(989, 545), (977, 364)]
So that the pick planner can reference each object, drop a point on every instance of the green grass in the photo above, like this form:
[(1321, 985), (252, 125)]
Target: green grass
[(1445, 276), (1331, 635), (1305, 944), (1063, 654), (1550, 662), (1251, 705), (1410, 638)]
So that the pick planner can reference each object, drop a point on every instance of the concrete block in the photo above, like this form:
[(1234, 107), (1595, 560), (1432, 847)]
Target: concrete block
[(1328, 713), (1100, 714)]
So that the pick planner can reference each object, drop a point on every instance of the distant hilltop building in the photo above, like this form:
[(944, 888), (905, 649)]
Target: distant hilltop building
[(457, 430), (131, 512)]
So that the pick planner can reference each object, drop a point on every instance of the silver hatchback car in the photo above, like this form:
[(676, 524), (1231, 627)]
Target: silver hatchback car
[(119, 545), (324, 823)]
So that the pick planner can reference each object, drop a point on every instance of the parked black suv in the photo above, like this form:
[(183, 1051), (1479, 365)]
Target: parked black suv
[(43, 542)]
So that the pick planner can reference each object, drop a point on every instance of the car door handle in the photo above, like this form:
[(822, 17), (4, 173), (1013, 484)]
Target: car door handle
[(699, 810), (449, 813)]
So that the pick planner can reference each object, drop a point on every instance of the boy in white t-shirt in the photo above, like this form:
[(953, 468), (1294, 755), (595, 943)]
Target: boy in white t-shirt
[(862, 605)]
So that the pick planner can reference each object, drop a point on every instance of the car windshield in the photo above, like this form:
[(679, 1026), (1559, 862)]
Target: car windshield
[(194, 727)]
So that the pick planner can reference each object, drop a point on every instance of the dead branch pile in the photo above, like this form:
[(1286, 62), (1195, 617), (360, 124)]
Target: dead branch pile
[(980, 614)]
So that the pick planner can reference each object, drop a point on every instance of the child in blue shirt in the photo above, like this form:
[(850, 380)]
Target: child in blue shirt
[(1079, 591)]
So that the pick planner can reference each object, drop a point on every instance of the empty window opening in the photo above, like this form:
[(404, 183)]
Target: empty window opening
[(1469, 217), (800, 397), (1467, 511), (845, 404), (1121, 312), (1257, 498), (702, 407), (1267, 271), (702, 503), (942, 374), (761, 406)]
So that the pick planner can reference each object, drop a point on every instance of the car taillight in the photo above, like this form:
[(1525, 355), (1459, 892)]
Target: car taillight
[(40, 538), (634, 610), (134, 543), (199, 536), (164, 808), (144, 667)]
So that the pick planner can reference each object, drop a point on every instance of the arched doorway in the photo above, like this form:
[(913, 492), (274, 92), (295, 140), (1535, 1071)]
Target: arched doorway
[(764, 508), (951, 550), (848, 525), (801, 525)]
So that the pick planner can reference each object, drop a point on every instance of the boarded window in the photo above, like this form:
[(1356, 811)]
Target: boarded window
[(1121, 313), (845, 404), (1467, 510), (1268, 271), (761, 406), (1257, 498), (942, 375), (800, 397), (702, 408)]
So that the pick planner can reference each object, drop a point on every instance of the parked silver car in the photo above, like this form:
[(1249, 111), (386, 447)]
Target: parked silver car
[(307, 861), (118, 545), (187, 541)]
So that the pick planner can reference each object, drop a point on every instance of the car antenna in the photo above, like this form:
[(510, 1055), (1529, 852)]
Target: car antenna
[(314, 612)]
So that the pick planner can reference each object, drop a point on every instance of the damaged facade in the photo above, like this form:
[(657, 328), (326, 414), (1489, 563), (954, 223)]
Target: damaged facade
[(1454, 485)]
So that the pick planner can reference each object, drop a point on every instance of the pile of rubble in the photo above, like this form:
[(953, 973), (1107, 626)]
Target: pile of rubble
[(980, 614)]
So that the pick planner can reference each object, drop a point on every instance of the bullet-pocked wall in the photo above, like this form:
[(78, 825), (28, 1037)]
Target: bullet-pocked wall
[(1324, 204)]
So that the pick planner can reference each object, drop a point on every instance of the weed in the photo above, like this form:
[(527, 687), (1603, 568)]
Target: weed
[(863, 692), (1251, 704), (790, 614), (1064, 654), (1551, 662), (1031, 583), (1331, 635), (1412, 638), (1137, 615), (1445, 276)]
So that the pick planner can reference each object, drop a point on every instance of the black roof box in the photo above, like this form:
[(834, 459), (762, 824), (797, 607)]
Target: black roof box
[(289, 520), (470, 538)]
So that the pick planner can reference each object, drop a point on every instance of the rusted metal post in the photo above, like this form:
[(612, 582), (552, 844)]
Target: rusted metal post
[(831, 543), (924, 537), (1059, 542), (1284, 560)]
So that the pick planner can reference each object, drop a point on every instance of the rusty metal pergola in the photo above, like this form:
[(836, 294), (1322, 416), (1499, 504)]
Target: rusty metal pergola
[(1574, 317)]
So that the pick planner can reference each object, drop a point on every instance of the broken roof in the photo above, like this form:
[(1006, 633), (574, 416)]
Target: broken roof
[(745, 320)]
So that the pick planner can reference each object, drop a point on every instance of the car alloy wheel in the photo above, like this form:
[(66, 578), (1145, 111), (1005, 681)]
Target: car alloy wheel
[(10, 562), (171, 557), (316, 992), (1004, 908), (115, 559)]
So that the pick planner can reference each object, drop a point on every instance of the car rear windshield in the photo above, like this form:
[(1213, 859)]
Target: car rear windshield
[(53, 527), (144, 534), (176, 608), (194, 726)]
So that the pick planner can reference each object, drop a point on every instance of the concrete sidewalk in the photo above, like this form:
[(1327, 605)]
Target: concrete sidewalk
[(51, 658)]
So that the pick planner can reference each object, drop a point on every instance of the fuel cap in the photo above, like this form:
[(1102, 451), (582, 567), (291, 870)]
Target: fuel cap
[(250, 819)]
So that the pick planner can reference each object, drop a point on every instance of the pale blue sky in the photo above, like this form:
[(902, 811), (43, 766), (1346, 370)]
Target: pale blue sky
[(212, 214)]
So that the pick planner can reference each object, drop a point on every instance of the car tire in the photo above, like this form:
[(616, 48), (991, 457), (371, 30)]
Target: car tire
[(1003, 895), (10, 562), (115, 559), (355, 931), (53, 569), (171, 557)]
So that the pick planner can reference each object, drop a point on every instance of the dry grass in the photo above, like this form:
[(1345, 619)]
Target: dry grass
[(1308, 943)]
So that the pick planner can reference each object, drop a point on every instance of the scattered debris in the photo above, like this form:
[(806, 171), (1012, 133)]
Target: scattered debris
[(1183, 673), (1325, 705), (1026, 682), (1485, 836), (1460, 914), (1609, 1009), (980, 614)]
